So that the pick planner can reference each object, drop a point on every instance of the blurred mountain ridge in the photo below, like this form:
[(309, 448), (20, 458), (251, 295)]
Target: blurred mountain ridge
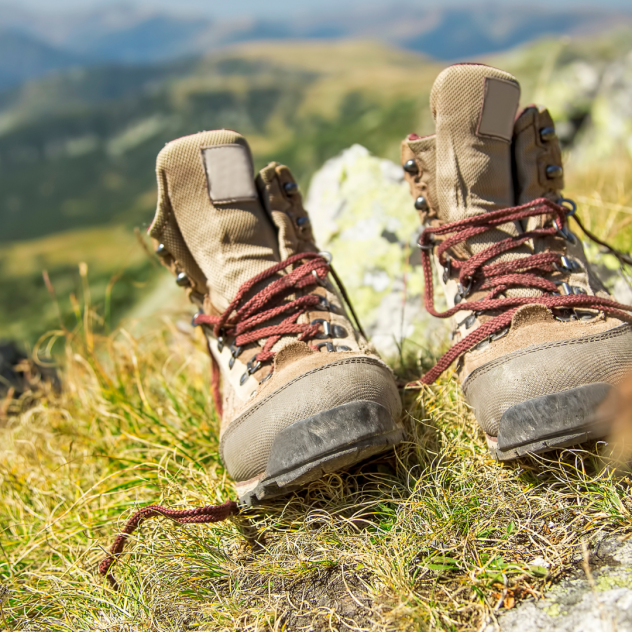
[(77, 147), (125, 33), (23, 56)]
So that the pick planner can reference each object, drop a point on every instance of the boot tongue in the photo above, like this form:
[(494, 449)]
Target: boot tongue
[(474, 107), (207, 182)]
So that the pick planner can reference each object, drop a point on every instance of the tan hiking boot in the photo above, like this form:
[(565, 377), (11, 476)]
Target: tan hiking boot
[(539, 341), (304, 393)]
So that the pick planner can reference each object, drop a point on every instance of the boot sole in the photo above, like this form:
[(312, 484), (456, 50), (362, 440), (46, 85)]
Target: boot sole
[(327, 442), (553, 421)]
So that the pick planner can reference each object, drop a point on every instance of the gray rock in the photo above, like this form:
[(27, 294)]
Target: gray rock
[(610, 125), (576, 606), (596, 96), (362, 213)]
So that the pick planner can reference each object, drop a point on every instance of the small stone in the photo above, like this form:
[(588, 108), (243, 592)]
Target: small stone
[(539, 561)]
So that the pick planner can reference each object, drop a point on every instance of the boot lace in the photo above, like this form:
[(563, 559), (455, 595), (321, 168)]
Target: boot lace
[(199, 515), (528, 272), (244, 320)]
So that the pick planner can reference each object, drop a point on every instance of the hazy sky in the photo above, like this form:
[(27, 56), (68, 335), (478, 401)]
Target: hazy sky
[(277, 8)]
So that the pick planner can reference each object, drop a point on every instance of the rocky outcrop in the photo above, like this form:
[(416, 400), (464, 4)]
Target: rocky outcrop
[(600, 602), (610, 126), (362, 213), (590, 102)]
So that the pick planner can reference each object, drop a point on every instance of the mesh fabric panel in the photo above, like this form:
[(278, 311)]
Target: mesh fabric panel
[(231, 242), (474, 173)]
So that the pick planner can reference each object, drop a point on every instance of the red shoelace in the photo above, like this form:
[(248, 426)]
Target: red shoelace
[(476, 274), (201, 515), (244, 320)]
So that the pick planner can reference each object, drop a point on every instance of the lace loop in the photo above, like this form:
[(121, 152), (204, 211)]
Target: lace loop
[(475, 273), (244, 319), (199, 515)]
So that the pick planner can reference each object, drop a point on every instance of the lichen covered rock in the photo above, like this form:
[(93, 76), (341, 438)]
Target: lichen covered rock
[(362, 213), (601, 603)]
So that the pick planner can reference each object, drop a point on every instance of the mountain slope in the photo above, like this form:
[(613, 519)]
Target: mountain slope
[(68, 159), (154, 38), (77, 149), (22, 57), (453, 33), (132, 34)]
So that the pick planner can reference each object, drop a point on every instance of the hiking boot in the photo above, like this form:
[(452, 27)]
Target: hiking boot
[(539, 341), (304, 392)]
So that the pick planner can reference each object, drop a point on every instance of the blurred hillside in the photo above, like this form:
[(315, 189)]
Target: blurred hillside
[(77, 148), (32, 43)]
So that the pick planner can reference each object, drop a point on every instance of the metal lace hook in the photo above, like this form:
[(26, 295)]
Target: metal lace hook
[(424, 246), (194, 322), (569, 205)]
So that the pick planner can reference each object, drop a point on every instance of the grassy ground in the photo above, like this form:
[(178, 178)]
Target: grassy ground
[(435, 535), (108, 259)]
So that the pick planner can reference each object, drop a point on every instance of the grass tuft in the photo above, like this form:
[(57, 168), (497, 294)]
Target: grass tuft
[(435, 535)]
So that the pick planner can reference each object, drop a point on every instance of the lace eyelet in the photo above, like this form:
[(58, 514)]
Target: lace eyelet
[(194, 322), (329, 330), (162, 251), (182, 279), (324, 304), (564, 315), (266, 378), (252, 366), (567, 290), (428, 246), (567, 265), (567, 235), (250, 369), (329, 345), (566, 201), (447, 269), (483, 344), (499, 334), (462, 292), (410, 166), (548, 134)]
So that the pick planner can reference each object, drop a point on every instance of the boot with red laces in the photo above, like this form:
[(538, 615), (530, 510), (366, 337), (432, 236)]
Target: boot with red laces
[(539, 343), (303, 391)]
